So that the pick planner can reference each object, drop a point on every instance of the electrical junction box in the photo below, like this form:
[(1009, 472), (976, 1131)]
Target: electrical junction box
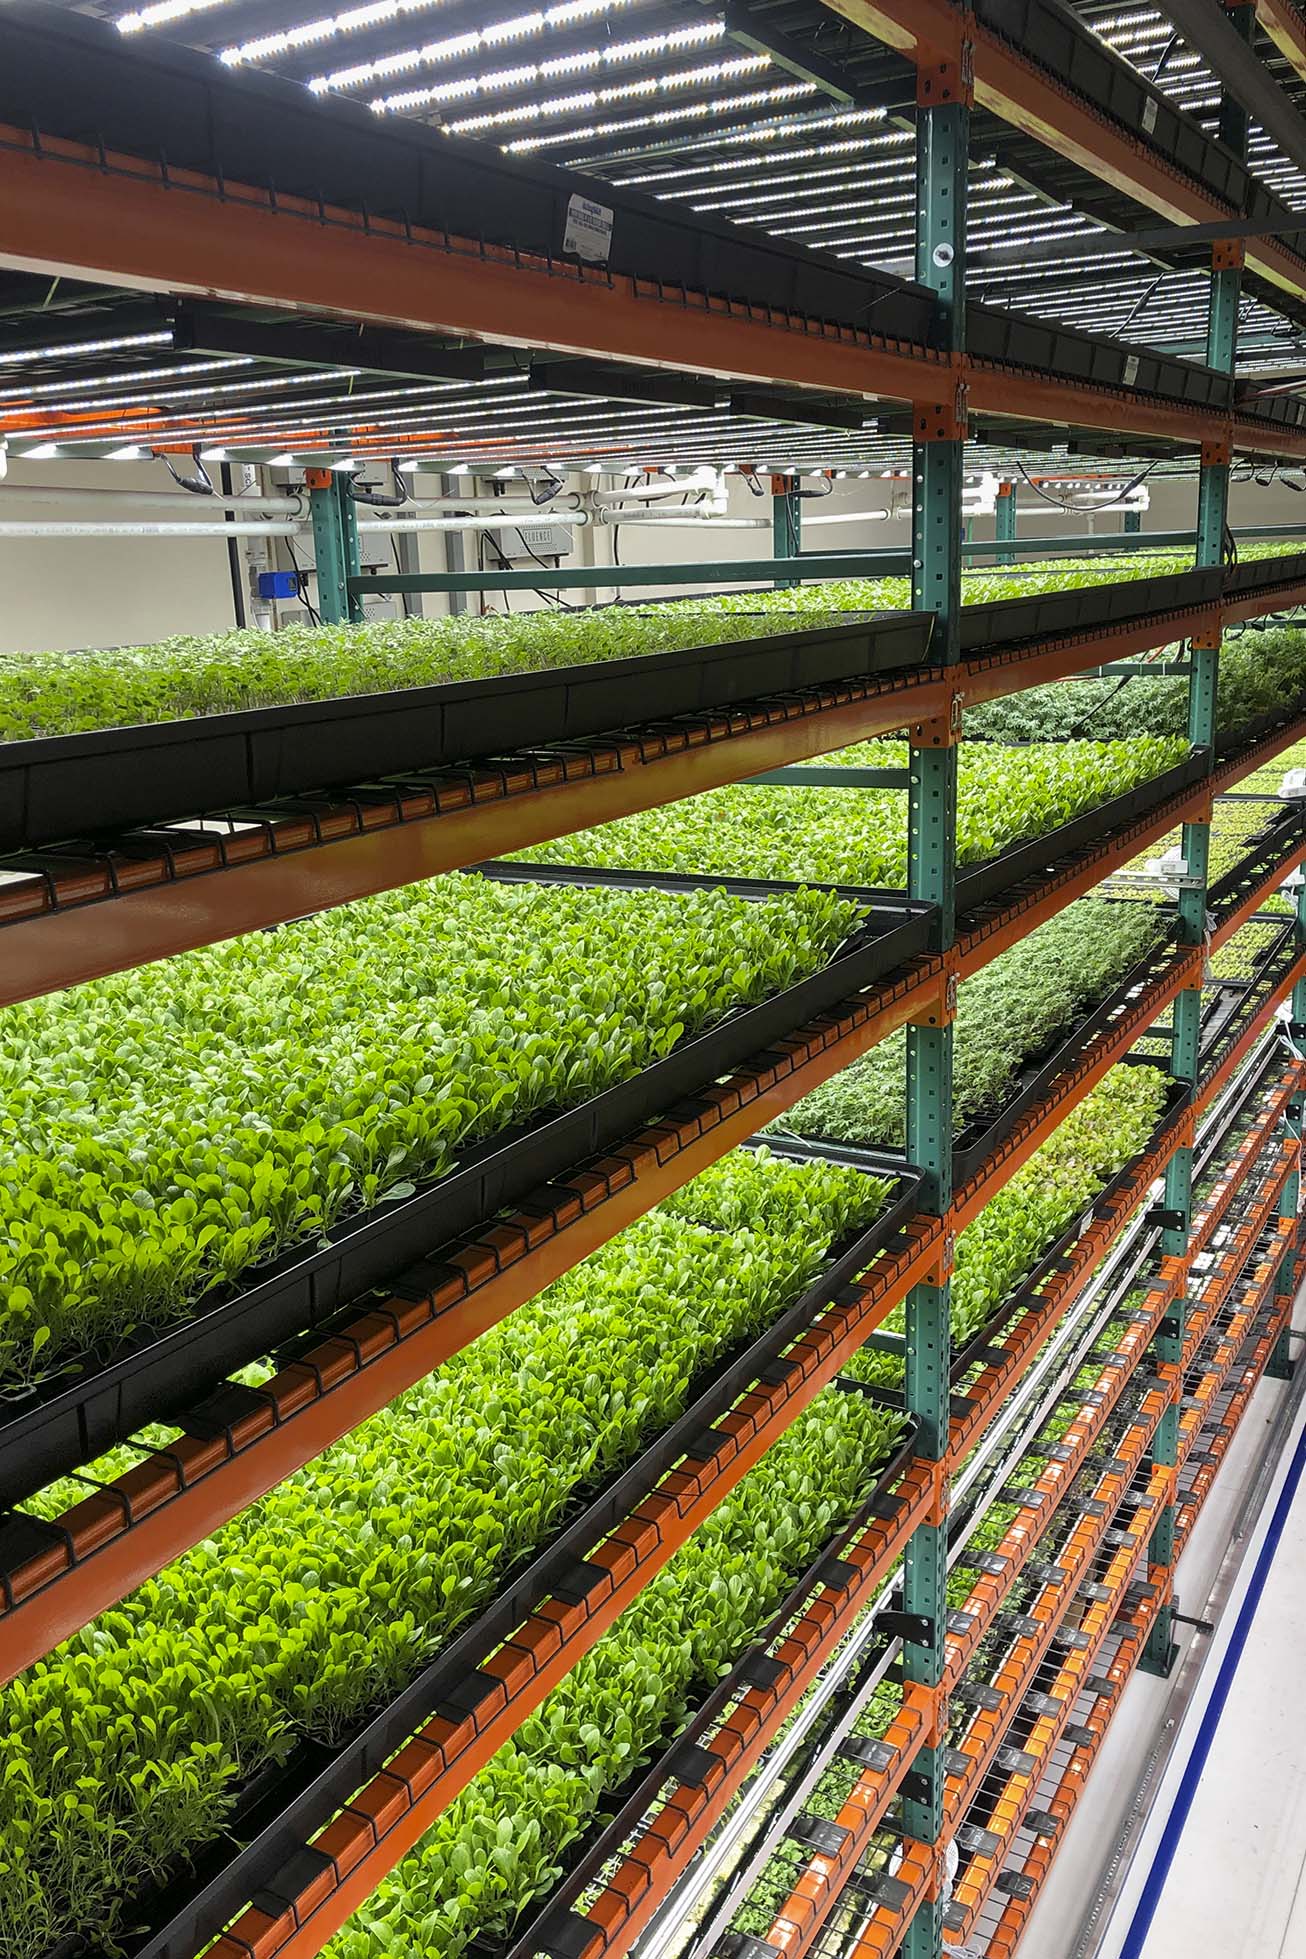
[(278, 585), (527, 541)]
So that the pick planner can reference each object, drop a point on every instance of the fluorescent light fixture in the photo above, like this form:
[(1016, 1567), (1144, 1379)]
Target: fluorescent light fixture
[(213, 455), (41, 454), (131, 454), (282, 462), (14, 357), (163, 13)]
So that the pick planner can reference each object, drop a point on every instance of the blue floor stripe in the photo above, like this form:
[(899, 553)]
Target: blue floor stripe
[(1154, 1884)]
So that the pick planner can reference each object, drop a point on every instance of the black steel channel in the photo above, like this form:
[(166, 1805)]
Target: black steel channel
[(61, 787), (46, 1432), (316, 1782)]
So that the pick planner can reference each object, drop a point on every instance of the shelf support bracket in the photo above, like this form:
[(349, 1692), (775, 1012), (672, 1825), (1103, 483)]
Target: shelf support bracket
[(786, 522)]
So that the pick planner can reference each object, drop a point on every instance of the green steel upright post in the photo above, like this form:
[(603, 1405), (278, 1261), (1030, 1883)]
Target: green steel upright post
[(1004, 525), (335, 545), (1133, 522), (942, 136), (1212, 528), (786, 522)]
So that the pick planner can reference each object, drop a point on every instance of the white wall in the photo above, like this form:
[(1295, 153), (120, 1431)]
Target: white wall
[(114, 592), (90, 591)]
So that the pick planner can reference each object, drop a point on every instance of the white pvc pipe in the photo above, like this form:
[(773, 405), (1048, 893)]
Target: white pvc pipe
[(498, 521), (506, 506), (255, 506), (222, 531), (685, 518), (845, 517)]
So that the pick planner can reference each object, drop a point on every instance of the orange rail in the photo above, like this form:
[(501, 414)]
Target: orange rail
[(667, 1844), (114, 1540), (1264, 887), (1004, 1818), (1194, 1495), (1212, 1211), (984, 1736), (825, 1875), (1210, 1087), (1027, 1528), (1131, 1630)]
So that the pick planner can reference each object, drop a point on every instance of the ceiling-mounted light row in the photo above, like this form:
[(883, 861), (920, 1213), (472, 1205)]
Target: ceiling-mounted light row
[(455, 47), (111, 344), (684, 112), (324, 28), (556, 105)]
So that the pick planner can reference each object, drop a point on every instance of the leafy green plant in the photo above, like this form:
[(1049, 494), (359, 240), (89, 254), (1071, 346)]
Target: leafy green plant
[(164, 1130), (859, 836), (998, 1250), (123, 1751), (1009, 1011)]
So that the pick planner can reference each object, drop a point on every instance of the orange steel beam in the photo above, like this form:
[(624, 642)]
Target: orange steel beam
[(1013, 87), (824, 1875), (643, 1876), (1192, 1499), (124, 223), (162, 907), (1286, 27), (1211, 1213), (181, 1496), (399, 1804), (119, 219)]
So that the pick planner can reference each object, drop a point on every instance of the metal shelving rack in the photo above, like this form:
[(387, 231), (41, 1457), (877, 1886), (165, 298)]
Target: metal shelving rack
[(70, 913)]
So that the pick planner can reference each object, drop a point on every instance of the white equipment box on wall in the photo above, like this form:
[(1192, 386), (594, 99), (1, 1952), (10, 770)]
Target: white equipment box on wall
[(531, 541)]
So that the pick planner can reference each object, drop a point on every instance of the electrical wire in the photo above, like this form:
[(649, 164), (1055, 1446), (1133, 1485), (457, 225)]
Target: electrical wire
[(1087, 509), (301, 577)]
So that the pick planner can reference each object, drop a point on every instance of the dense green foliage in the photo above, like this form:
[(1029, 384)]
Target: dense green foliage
[(221, 673), (323, 1599), (1006, 1240), (1237, 960), (165, 1129), (45, 693), (498, 1844), (859, 836), (1011, 1010), (1259, 673)]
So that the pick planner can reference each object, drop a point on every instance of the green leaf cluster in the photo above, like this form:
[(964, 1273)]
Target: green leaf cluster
[(859, 836), (164, 1130), (122, 1752), (1004, 1243), (1259, 672), (1011, 1010)]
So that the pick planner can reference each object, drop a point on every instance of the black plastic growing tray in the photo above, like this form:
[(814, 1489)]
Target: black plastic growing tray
[(983, 885), (287, 1806), (60, 787), (1263, 574), (74, 1418), (1041, 615), (987, 882), (543, 1928), (1261, 853), (980, 1137), (1178, 1098)]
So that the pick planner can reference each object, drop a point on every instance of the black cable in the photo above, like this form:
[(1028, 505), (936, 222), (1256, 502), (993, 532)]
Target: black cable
[(1087, 509), (199, 486), (301, 577), (544, 565)]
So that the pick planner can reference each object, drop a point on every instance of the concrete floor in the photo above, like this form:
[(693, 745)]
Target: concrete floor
[(1236, 1888)]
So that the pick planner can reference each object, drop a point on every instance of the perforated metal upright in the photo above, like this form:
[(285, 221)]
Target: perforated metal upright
[(942, 136), (1004, 522), (1212, 533), (335, 545), (786, 522)]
